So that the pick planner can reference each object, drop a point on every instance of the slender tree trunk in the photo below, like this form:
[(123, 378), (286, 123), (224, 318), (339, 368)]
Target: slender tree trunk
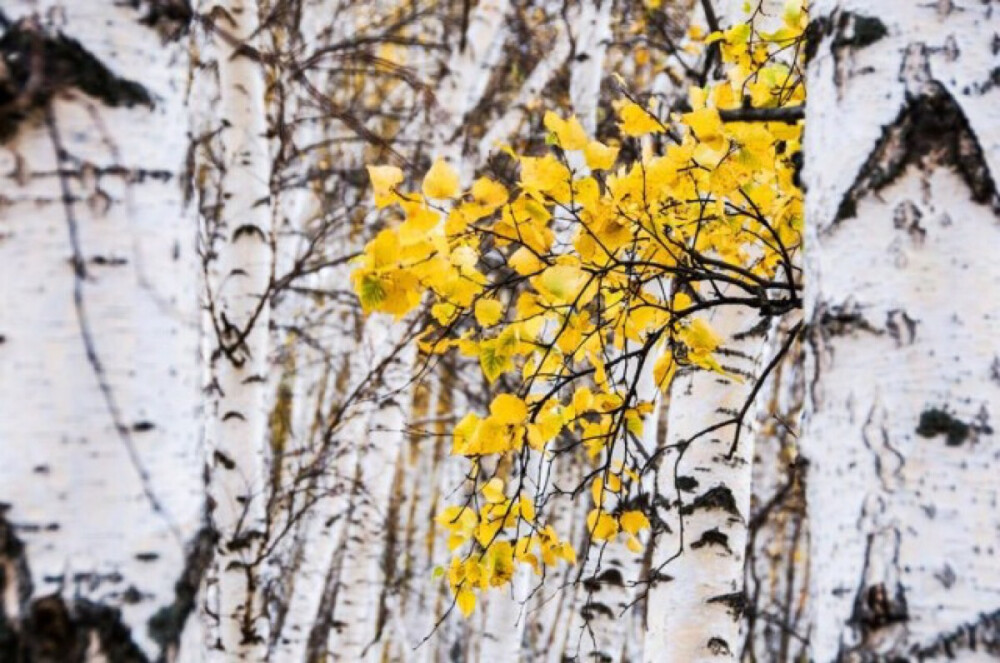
[(777, 569), (695, 603), (903, 150), (238, 254)]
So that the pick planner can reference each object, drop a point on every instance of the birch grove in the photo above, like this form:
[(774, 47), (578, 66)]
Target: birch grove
[(498, 330)]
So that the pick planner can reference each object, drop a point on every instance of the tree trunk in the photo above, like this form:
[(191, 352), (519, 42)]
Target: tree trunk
[(99, 390), (696, 600), (903, 147), (237, 249)]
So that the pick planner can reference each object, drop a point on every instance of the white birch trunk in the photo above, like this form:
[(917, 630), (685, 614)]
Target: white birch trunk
[(694, 605), (238, 254), (903, 151), (99, 386)]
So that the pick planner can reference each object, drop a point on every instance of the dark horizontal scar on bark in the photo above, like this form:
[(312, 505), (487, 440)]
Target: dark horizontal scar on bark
[(39, 64)]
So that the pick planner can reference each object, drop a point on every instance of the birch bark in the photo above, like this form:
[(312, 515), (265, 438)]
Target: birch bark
[(903, 147), (99, 387), (238, 254)]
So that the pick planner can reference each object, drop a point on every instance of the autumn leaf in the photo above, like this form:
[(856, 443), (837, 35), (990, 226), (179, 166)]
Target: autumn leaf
[(441, 181)]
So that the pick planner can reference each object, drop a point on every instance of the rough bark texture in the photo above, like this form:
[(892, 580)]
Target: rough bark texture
[(98, 336), (696, 600), (231, 181), (903, 147)]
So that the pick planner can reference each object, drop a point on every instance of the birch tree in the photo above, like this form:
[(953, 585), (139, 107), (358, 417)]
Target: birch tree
[(903, 150), (101, 524)]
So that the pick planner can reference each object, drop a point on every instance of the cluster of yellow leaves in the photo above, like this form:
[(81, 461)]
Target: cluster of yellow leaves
[(492, 564), (555, 278)]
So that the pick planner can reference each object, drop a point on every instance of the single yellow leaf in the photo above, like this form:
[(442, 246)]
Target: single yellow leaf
[(441, 181), (489, 193), (570, 133), (524, 262), (493, 491), (601, 525), (508, 409), (384, 180), (599, 156), (488, 312), (636, 120), (466, 601), (597, 491), (634, 522)]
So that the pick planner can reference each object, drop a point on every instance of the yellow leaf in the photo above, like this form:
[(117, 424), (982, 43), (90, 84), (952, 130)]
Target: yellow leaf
[(524, 262), (441, 181), (508, 409), (634, 545), (597, 491), (700, 337), (601, 525), (583, 400), (562, 284), (636, 120), (493, 491), (664, 369), (565, 551), (599, 156), (443, 312), (488, 312), (634, 522), (527, 509), (384, 180), (489, 193), (493, 362), (707, 126), (466, 602), (570, 133)]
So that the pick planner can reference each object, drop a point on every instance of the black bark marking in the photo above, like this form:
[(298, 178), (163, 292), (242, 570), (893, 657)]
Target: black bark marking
[(842, 321), (50, 629), (719, 647), (167, 624), (224, 460), (719, 497), (981, 636), (594, 609), (906, 217), (851, 31), (169, 17), (712, 537), (857, 31), (59, 632), (878, 607), (249, 229), (935, 421), (736, 603), (931, 130), (901, 327), (38, 64), (686, 483)]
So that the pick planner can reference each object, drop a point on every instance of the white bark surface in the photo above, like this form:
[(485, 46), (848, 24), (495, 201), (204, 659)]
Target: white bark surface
[(693, 613), (239, 256), (903, 147), (99, 385)]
